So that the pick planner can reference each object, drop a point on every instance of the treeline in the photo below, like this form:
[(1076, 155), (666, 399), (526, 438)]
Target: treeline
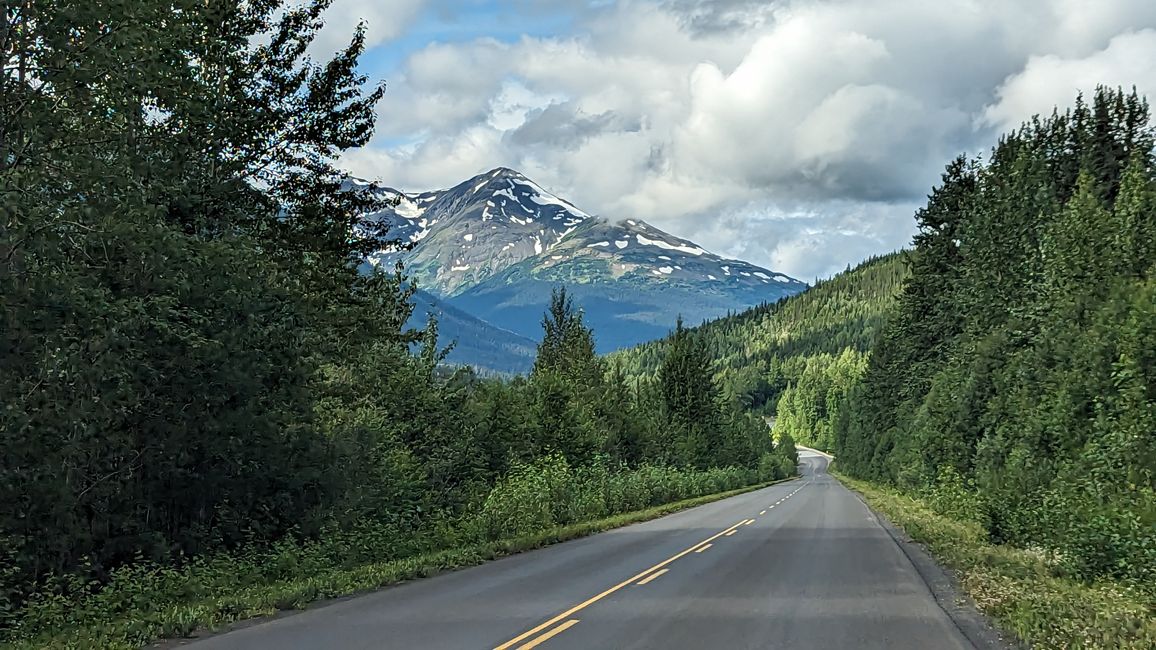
[(797, 358), (1017, 378), (191, 363)]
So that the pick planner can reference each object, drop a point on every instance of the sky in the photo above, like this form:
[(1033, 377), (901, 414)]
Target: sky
[(799, 135)]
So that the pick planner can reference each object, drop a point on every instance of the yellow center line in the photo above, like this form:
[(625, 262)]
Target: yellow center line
[(762, 512), (551, 634), (652, 576), (594, 599), (730, 532), (703, 548)]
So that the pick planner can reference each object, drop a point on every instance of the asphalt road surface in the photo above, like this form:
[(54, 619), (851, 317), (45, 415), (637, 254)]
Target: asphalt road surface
[(802, 564)]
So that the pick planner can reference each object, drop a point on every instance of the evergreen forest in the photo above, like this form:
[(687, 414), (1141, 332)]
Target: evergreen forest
[(199, 388)]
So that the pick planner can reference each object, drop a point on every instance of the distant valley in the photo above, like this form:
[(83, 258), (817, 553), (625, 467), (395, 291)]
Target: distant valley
[(476, 343)]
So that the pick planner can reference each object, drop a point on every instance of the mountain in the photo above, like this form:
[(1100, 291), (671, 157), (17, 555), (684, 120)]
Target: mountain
[(487, 348), (795, 359), (466, 234), (632, 280), (496, 245)]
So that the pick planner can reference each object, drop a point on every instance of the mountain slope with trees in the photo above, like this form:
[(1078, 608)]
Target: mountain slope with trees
[(1019, 369), (786, 358), (486, 348)]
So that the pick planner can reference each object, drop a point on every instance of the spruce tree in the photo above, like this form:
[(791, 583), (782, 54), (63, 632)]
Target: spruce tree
[(1135, 220), (691, 396)]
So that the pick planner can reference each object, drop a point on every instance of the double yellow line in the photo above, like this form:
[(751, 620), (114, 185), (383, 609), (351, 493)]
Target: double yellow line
[(590, 601)]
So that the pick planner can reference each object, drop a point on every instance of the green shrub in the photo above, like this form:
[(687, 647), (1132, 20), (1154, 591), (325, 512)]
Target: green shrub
[(954, 496), (547, 493)]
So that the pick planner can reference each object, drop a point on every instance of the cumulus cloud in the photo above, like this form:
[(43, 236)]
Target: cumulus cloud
[(1053, 81), (812, 239), (800, 134), (384, 20), (566, 126), (709, 16)]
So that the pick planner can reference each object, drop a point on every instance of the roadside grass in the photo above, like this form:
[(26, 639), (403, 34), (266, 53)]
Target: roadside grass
[(1025, 591), (210, 594)]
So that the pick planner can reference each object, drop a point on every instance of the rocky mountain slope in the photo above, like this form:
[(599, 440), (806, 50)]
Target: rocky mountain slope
[(497, 244)]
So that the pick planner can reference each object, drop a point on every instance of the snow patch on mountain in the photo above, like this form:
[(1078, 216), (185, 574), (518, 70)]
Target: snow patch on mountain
[(544, 198), (407, 207), (690, 250)]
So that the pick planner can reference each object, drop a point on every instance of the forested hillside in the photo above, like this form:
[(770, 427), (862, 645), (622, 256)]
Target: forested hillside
[(206, 411), (1017, 377), (795, 357)]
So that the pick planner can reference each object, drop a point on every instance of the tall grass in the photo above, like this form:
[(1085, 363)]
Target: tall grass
[(549, 493)]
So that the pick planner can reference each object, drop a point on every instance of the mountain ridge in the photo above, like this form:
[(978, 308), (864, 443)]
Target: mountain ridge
[(497, 244)]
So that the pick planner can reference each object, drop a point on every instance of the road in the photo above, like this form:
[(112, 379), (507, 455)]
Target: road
[(801, 564)]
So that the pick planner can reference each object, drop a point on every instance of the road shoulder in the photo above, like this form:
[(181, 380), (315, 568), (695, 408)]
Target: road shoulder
[(979, 630)]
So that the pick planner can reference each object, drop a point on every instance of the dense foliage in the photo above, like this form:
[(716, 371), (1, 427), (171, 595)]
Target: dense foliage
[(795, 358), (1017, 377), (175, 278), (193, 365)]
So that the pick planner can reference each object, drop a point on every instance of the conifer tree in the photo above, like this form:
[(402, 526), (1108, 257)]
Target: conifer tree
[(691, 396), (567, 346), (1135, 220)]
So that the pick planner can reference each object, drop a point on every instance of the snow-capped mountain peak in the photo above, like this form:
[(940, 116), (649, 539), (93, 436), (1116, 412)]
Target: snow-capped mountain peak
[(502, 227), (474, 229)]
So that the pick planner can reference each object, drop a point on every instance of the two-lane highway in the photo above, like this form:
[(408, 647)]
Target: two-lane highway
[(801, 564)]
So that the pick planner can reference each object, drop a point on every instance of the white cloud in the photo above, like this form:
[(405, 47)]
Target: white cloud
[(384, 19), (804, 130), (1049, 80), (807, 240), (514, 103)]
